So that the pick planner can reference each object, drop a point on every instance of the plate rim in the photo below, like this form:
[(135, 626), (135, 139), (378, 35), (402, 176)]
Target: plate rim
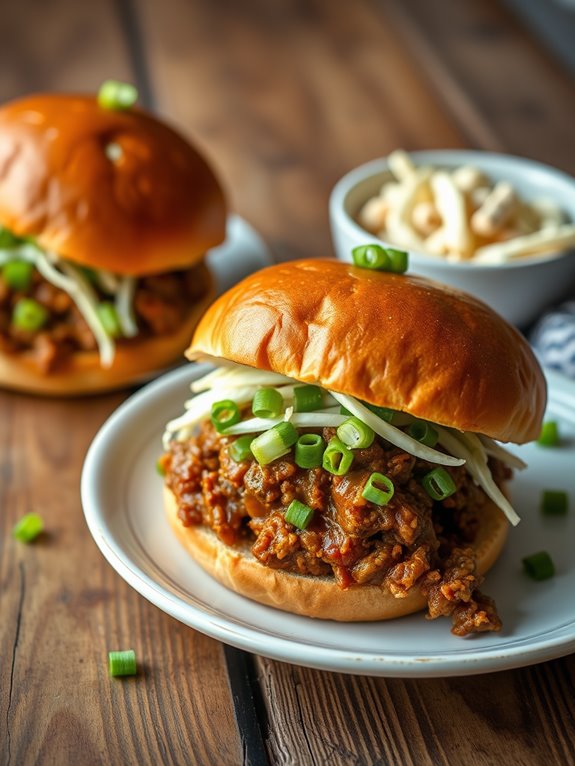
[(280, 647)]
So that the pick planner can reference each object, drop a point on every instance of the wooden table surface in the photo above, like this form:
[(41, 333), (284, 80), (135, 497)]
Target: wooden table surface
[(284, 97)]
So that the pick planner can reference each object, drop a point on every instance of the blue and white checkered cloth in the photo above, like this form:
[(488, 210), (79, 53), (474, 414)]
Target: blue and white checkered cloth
[(553, 338)]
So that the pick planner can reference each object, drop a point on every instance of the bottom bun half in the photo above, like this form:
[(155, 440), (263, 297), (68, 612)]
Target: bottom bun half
[(320, 597), (135, 361)]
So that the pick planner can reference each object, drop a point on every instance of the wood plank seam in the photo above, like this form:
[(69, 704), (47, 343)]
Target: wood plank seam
[(21, 596), (130, 26), (249, 709)]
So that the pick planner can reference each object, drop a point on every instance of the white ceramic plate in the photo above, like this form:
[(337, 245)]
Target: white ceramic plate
[(122, 499)]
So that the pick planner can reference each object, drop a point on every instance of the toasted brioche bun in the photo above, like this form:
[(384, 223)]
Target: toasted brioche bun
[(392, 340), (155, 207), (82, 373), (237, 569)]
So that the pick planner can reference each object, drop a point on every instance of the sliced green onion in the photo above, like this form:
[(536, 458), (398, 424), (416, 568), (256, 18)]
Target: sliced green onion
[(385, 413), (122, 663), (109, 318), (29, 315), (393, 434), (343, 410), (240, 449), (160, 467), (380, 258), (438, 484), (90, 274), (309, 450), (423, 433), (378, 489), (371, 257), (7, 239), (28, 528), (225, 413), (356, 434), (539, 566), (267, 403), (399, 260), (549, 436), (116, 95), (299, 514), (337, 458), (307, 398), (274, 443), (18, 274), (554, 502)]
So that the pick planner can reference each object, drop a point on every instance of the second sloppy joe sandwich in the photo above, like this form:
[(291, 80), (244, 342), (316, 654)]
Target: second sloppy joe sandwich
[(106, 215), (340, 462)]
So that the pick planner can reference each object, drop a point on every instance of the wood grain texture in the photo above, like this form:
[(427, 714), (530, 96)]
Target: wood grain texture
[(286, 97), (62, 607), (60, 44), (499, 83), (302, 94), (524, 715)]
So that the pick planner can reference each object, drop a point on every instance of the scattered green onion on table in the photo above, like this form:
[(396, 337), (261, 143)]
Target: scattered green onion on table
[(122, 663), (28, 528)]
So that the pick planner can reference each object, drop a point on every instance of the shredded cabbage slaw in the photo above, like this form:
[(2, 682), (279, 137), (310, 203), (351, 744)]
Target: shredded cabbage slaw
[(70, 278), (240, 383)]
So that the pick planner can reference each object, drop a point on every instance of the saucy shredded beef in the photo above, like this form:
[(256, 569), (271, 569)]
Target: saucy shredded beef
[(413, 541), (161, 303)]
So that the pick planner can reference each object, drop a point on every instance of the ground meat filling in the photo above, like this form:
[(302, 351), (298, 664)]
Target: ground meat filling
[(411, 542), (161, 303)]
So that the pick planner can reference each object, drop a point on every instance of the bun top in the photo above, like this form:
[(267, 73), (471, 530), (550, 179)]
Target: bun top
[(114, 190), (392, 340)]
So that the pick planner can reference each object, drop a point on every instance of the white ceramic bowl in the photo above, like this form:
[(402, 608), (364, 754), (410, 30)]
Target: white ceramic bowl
[(519, 290)]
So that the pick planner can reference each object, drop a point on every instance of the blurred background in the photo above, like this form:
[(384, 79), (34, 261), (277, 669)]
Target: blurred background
[(287, 95)]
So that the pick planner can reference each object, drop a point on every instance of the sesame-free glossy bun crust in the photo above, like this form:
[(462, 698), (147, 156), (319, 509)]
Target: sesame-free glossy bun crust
[(396, 341), (237, 569), (157, 207), (136, 360)]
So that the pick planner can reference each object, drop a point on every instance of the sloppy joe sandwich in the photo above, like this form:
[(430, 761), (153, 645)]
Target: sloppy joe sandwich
[(106, 214), (343, 460)]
